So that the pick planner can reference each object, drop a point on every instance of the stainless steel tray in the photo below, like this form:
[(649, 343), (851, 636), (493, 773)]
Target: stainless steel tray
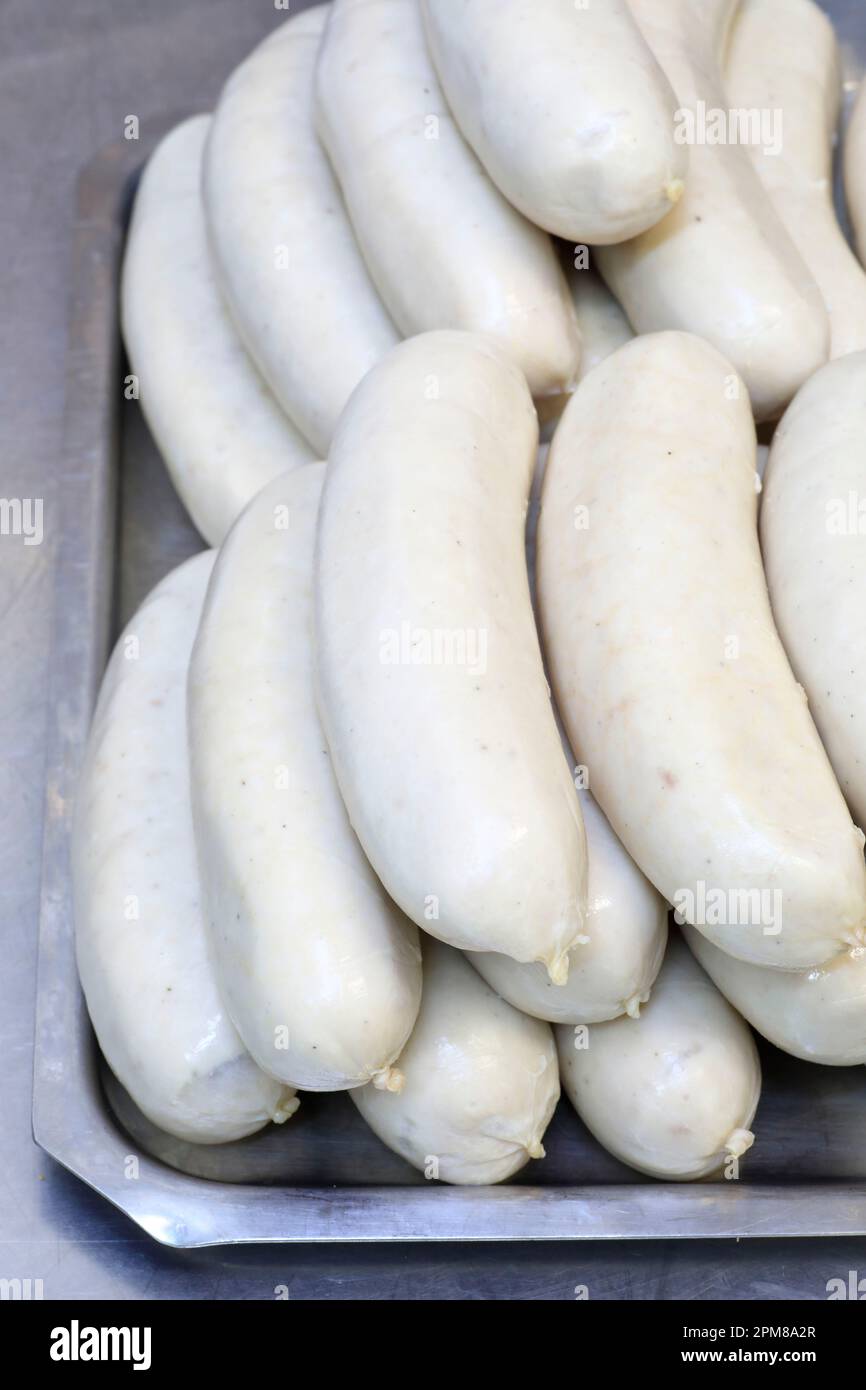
[(324, 1176)]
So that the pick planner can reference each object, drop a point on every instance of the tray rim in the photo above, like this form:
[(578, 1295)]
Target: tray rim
[(71, 1120)]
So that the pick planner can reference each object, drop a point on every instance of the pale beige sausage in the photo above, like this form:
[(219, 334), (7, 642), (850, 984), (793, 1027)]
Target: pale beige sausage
[(668, 672), (855, 170), (567, 109), (431, 685), (482, 1080), (783, 68), (444, 247), (818, 1014), (219, 429), (288, 262), (721, 264), (674, 1092), (611, 971), (143, 952), (813, 537), (320, 971)]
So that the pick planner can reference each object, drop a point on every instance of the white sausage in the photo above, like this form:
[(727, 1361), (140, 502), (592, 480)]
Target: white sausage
[(854, 163), (671, 1093), (813, 524), (784, 58), (603, 328), (611, 973), (143, 952), (219, 429), (667, 669), (432, 689), (819, 1014), (603, 325), (444, 247), (481, 1080), (291, 271), (567, 109), (721, 264), (612, 968), (320, 972)]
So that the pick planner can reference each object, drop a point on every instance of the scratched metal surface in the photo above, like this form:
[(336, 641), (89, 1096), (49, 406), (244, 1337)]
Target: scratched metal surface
[(50, 1225)]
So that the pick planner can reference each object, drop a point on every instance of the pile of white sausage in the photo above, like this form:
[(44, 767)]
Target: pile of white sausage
[(335, 830)]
